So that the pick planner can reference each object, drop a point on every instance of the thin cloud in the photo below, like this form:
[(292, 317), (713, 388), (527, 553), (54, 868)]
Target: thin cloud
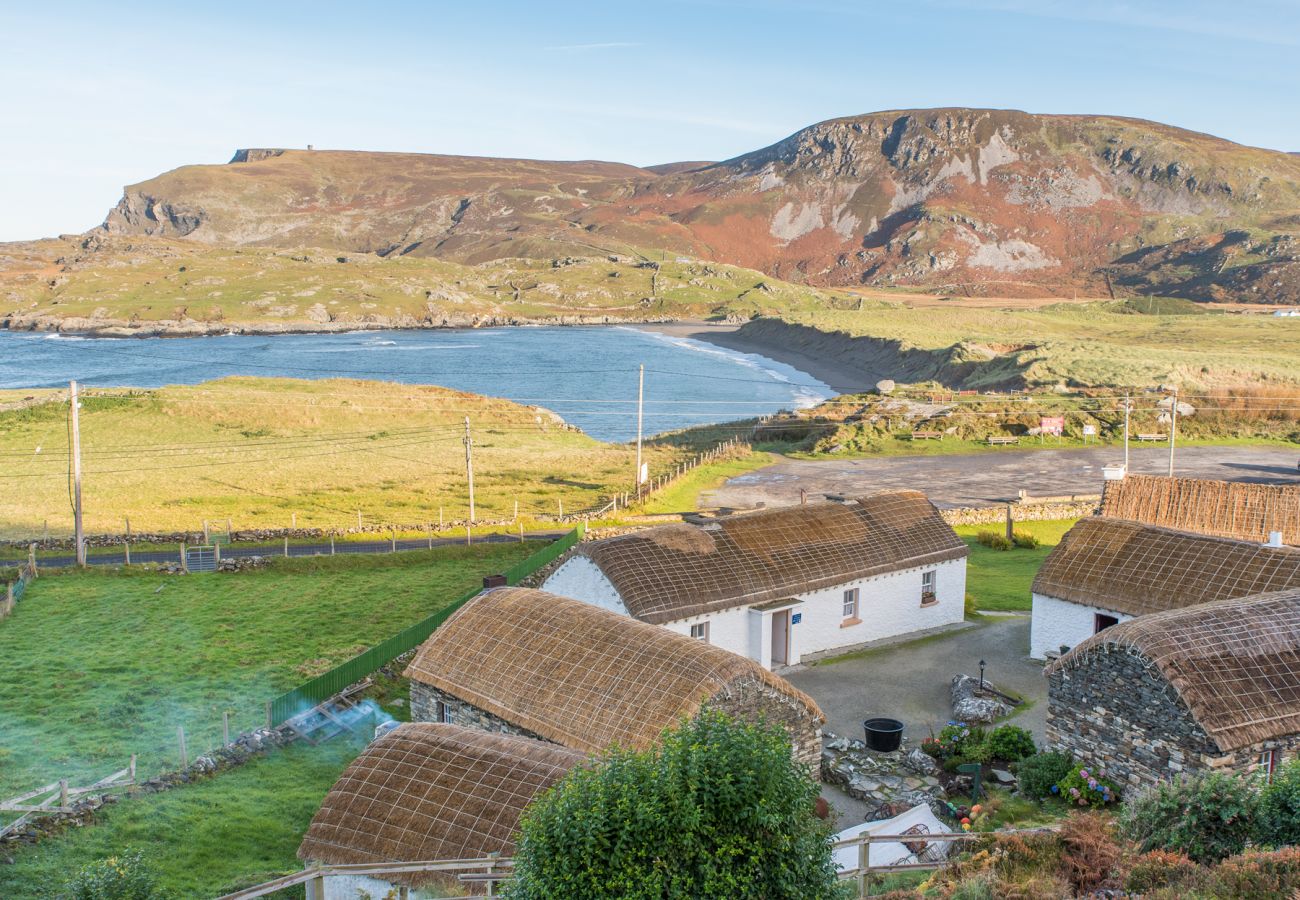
[(606, 45)]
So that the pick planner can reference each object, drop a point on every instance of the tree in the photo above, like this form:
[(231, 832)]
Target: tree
[(718, 809)]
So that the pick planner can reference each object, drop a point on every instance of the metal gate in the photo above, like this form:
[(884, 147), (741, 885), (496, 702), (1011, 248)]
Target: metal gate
[(201, 559)]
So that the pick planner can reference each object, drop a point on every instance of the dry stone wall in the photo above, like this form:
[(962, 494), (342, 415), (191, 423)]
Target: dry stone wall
[(750, 700)]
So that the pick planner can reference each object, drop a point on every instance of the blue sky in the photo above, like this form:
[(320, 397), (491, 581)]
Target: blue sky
[(101, 95)]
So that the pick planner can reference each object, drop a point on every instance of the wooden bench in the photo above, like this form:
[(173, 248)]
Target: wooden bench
[(1153, 437), (1003, 440), (927, 435)]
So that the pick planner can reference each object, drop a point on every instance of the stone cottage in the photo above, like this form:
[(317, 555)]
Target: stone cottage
[(526, 662), (783, 585), (428, 792), (1211, 686), (1106, 571), (1231, 509)]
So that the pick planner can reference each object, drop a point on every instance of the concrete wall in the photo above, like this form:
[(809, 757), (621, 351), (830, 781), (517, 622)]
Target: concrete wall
[(580, 578), (1056, 623), (1116, 711)]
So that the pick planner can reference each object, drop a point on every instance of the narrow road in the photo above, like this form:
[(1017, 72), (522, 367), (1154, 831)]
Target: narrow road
[(232, 551), (981, 479)]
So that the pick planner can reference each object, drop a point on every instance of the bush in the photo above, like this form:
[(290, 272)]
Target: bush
[(1090, 856), (717, 809), (1039, 773), (1024, 540), (123, 877), (1160, 869), (1208, 817), (1010, 742), (1086, 787), (1278, 816), (1258, 875), (994, 541)]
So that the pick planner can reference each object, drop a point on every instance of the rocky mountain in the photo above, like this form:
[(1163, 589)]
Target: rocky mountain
[(966, 201)]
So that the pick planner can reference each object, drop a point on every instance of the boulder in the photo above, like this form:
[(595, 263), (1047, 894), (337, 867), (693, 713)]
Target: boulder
[(921, 763), (970, 705)]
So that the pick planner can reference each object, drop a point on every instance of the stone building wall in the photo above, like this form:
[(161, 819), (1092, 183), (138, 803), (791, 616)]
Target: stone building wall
[(1115, 711), (750, 700), (424, 708)]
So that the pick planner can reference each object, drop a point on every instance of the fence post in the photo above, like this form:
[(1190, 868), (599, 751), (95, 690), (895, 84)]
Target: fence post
[(468, 539), (268, 715), (428, 532), (31, 559), (286, 548), (393, 529), (216, 555), (331, 543), (127, 546), (63, 793), (132, 768), (207, 534), (185, 756), (229, 532), (864, 864), (440, 518), (521, 532), (225, 728), (185, 563)]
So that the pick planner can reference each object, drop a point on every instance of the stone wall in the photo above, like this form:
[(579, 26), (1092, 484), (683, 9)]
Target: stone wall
[(1020, 512), (424, 708), (749, 700), (1115, 711)]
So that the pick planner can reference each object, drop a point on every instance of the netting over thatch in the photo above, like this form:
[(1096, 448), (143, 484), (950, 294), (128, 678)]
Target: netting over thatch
[(1247, 512), (1234, 663), (1138, 569), (677, 571), (430, 791), (579, 675)]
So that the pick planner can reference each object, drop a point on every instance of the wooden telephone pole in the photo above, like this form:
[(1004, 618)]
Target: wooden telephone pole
[(1173, 431), (469, 468), (640, 404), (76, 473)]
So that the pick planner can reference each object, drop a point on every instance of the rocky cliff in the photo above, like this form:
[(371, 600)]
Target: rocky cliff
[(966, 201)]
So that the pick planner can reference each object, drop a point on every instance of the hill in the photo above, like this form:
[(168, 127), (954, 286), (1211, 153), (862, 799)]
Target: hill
[(970, 201)]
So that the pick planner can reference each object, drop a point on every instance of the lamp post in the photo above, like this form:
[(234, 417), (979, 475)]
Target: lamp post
[(982, 675)]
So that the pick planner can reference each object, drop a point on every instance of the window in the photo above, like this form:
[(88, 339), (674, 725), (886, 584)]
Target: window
[(851, 603), (1101, 622), (443, 712), (928, 595), (1266, 763), (700, 631)]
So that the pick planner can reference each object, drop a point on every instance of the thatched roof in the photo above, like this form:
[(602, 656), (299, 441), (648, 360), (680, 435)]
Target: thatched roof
[(432, 792), (1230, 509), (1234, 663), (1137, 569), (676, 571), (579, 675)]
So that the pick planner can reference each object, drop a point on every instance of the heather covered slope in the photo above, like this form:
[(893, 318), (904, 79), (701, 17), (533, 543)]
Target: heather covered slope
[(993, 202)]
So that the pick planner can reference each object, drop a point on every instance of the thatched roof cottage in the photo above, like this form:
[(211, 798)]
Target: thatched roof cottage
[(526, 662), (1216, 685), (1247, 512), (429, 792), (783, 585), (1106, 571)]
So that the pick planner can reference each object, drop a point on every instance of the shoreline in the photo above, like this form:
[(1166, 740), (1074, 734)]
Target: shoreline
[(840, 377)]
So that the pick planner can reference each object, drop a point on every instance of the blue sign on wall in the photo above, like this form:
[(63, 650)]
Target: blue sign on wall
[(794, 619)]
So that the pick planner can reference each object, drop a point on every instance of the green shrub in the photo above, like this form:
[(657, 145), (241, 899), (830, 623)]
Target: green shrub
[(1010, 742), (717, 809), (123, 877), (1024, 540), (1278, 816), (994, 541), (1086, 787), (1039, 773), (1208, 817), (1257, 875), (1160, 869)]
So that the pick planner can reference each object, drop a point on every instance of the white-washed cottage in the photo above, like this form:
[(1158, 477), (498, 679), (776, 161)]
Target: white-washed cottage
[(1106, 571), (783, 585)]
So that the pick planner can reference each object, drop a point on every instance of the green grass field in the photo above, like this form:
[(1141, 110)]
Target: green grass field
[(239, 828), (999, 580), (109, 663), (684, 494)]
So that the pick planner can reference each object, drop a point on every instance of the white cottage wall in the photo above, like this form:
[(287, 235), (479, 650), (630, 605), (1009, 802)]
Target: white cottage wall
[(1056, 623), (582, 579), (728, 629)]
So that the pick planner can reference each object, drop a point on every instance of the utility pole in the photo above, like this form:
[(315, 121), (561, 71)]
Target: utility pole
[(76, 474), (640, 405), (1173, 431), (469, 470), (1128, 407)]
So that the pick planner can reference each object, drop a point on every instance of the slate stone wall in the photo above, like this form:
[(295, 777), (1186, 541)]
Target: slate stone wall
[(1116, 711), (749, 700), (424, 708)]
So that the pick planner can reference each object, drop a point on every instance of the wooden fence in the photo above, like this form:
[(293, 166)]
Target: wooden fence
[(14, 590), (43, 800)]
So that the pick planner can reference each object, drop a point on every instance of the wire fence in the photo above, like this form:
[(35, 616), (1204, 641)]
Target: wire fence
[(14, 590), (322, 687)]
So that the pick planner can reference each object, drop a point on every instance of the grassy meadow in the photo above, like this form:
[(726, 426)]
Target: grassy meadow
[(112, 661), (999, 580)]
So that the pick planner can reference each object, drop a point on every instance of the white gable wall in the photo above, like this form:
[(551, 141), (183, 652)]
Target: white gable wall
[(1056, 623), (582, 579)]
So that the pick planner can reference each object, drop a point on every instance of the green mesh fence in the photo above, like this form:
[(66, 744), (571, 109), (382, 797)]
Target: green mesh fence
[(322, 687)]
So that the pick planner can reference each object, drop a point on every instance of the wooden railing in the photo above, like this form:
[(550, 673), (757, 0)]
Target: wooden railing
[(489, 871)]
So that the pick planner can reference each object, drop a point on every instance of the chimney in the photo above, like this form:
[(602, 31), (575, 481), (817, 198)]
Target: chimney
[(1274, 539)]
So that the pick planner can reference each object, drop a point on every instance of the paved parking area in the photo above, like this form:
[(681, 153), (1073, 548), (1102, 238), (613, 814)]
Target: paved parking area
[(980, 479), (910, 681)]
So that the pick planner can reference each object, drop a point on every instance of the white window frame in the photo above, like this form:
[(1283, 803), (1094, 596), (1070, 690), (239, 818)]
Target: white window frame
[(443, 712), (1268, 761), (931, 596), (700, 631), (852, 603)]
